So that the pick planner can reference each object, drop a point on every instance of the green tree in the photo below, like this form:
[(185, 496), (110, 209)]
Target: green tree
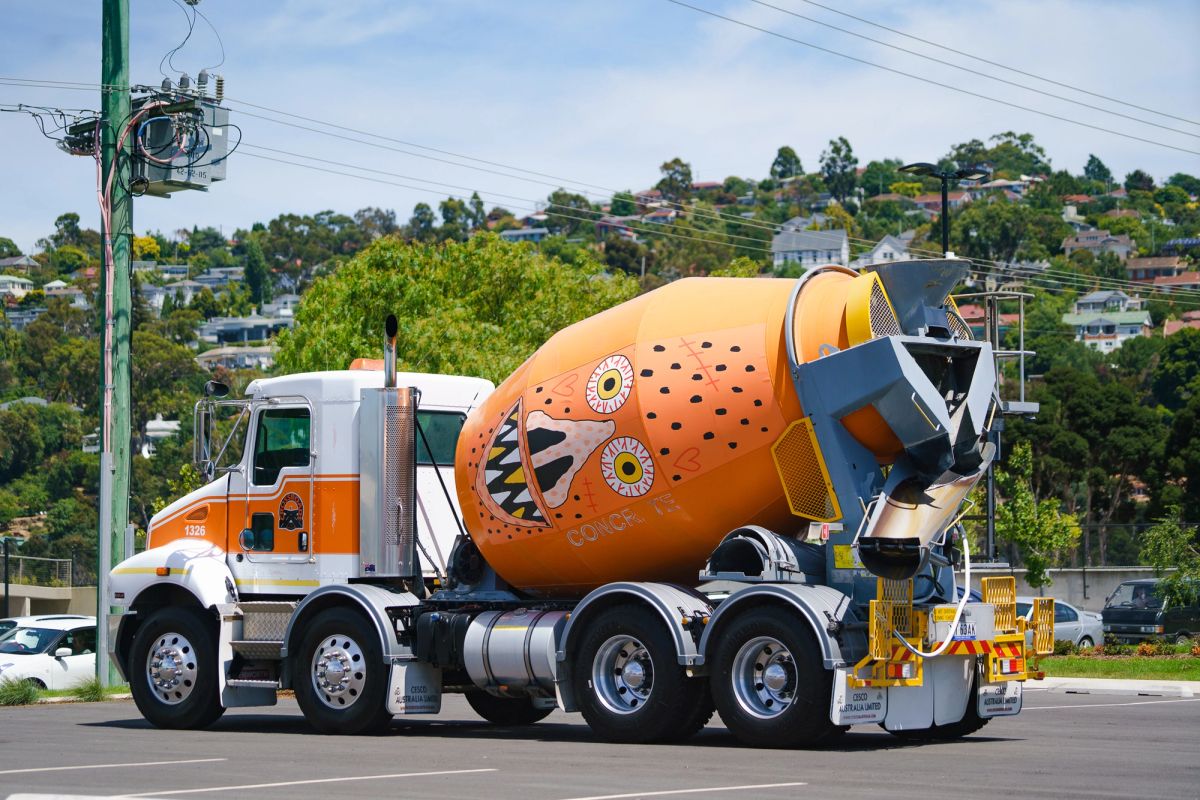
[(257, 276), (205, 303), (1174, 552), (1139, 180), (421, 224), (623, 205), (1095, 170), (67, 231), (1177, 375), (676, 183), (478, 307), (167, 378), (838, 168), (1189, 183), (1014, 154), (878, 176), (21, 444), (569, 214), (8, 248), (627, 255), (786, 164), (1039, 529), (376, 222), (740, 267), (1182, 460)]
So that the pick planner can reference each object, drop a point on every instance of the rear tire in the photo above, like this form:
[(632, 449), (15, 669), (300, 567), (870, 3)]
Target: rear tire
[(628, 681), (769, 684), (1183, 638), (1086, 641), (506, 710), (341, 680), (173, 669)]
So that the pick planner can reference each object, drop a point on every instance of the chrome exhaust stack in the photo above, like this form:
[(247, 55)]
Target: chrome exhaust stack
[(391, 327)]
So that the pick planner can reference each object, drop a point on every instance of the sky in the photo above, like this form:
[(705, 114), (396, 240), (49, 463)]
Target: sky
[(592, 94)]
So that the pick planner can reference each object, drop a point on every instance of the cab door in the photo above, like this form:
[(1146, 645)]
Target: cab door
[(271, 501), (68, 671), (437, 515)]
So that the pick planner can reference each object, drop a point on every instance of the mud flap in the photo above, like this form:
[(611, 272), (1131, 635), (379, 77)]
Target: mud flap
[(1000, 699), (856, 706), (415, 688)]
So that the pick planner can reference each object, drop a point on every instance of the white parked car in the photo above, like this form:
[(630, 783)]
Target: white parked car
[(1071, 624), (52, 652), (8, 623)]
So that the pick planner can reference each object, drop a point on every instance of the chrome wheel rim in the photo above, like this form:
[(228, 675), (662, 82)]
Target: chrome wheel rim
[(171, 668), (764, 677), (339, 671), (622, 674)]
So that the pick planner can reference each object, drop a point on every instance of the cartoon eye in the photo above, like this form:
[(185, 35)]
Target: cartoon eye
[(627, 467), (610, 384)]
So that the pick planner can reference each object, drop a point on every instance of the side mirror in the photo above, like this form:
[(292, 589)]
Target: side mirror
[(62, 652), (246, 539)]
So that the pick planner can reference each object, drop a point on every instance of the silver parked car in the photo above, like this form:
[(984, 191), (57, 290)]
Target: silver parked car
[(1071, 624)]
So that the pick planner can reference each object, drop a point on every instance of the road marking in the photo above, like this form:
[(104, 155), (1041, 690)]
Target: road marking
[(1106, 705), (689, 791), (110, 766), (306, 783)]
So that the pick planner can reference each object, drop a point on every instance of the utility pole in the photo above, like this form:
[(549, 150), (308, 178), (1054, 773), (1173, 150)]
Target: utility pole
[(114, 291), (7, 590)]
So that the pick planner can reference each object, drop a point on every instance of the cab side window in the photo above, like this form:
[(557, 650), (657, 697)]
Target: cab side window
[(81, 641), (282, 441), (1064, 614)]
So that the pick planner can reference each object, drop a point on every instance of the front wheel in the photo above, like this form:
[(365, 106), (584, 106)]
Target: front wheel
[(506, 710), (769, 684), (341, 679), (628, 681), (173, 666)]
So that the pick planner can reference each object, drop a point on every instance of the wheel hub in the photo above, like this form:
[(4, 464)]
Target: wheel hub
[(338, 671), (764, 677), (171, 668), (623, 674)]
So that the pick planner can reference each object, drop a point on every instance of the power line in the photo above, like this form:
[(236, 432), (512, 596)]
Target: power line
[(974, 71), (931, 81), (997, 64), (1000, 268)]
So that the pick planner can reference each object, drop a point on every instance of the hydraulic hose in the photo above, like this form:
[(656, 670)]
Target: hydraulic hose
[(962, 604)]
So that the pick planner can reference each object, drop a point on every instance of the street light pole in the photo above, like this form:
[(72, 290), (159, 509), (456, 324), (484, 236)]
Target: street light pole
[(945, 176), (6, 589)]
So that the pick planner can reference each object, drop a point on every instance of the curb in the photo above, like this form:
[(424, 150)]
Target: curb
[(55, 700), (1118, 686)]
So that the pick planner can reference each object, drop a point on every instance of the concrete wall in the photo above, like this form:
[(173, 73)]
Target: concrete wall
[(29, 600), (1069, 584)]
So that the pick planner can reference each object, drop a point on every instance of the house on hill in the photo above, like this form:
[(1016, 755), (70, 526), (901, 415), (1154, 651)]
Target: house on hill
[(1098, 242), (1145, 270), (1104, 320), (810, 248), (888, 249), (17, 265)]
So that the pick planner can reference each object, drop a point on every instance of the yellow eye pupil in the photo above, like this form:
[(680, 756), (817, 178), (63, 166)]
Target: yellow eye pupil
[(609, 384), (628, 468)]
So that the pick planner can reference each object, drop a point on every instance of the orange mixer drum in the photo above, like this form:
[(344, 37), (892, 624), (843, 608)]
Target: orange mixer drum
[(632, 441)]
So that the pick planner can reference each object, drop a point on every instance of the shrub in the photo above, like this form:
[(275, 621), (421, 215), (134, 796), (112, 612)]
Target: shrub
[(17, 693), (1062, 647), (90, 690), (1196, 650)]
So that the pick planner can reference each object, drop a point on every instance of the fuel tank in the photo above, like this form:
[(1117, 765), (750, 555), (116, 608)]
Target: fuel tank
[(631, 442)]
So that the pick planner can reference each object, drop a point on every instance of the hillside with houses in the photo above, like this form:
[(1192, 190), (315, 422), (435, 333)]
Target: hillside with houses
[(1108, 265)]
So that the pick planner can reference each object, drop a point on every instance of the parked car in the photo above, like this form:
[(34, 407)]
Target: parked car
[(1135, 611), (51, 653), (8, 623), (1075, 625)]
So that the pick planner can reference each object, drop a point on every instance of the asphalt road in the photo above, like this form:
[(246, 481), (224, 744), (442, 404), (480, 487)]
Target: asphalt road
[(1062, 746)]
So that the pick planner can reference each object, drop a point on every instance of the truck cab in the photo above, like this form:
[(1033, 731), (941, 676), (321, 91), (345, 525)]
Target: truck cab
[(282, 505)]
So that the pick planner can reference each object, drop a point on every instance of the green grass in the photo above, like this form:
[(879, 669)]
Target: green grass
[(1184, 668), (88, 691), (17, 693)]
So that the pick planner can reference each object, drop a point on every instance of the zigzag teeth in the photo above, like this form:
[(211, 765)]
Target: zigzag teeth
[(509, 435), (514, 456), (501, 498), (491, 475), (523, 497)]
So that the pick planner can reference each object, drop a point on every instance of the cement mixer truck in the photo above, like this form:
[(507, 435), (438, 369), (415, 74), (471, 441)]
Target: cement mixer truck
[(740, 495)]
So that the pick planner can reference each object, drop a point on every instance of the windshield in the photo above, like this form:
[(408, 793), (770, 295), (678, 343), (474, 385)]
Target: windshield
[(1135, 595), (1023, 609), (29, 641)]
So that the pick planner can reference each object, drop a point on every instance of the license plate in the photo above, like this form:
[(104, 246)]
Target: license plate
[(965, 632)]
